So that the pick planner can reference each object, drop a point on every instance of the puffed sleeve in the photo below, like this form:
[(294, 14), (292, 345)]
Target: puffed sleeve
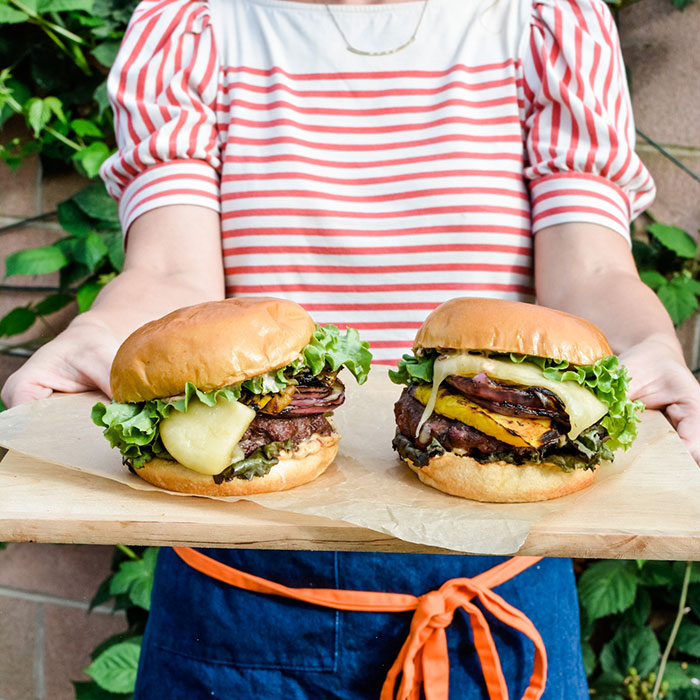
[(580, 134), (163, 89)]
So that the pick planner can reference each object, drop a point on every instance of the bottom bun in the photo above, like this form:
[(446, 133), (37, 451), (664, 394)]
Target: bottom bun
[(501, 482), (309, 460)]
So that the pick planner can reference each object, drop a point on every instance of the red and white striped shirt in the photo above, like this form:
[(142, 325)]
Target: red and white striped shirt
[(371, 189)]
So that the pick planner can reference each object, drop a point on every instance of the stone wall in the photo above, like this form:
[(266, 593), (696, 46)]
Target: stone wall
[(44, 589)]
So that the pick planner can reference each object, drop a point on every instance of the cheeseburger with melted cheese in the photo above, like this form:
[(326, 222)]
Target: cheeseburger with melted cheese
[(510, 402), (230, 398)]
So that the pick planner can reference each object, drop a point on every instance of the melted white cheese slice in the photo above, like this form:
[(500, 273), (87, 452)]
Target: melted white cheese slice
[(205, 438), (583, 406)]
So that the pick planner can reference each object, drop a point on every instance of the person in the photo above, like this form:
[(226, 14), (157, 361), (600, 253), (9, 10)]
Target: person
[(368, 160)]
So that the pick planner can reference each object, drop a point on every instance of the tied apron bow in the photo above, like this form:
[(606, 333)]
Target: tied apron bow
[(423, 660)]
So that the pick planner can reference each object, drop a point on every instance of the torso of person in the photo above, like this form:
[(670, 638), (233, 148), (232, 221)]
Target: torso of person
[(371, 189)]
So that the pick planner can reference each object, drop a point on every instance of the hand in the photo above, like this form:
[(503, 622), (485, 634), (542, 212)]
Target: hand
[(77, 360), (156, 280), (661, 379)]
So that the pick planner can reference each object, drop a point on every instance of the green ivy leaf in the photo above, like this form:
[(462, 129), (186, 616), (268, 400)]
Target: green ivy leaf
[(113, 640), (136, 579), (89, 159), (694, 598), (607, 587), (39, 111), (84, 127), (73, 220), (86, 294), (608, 685), (115, 249), (52, 303), (639, 612), (63, 5), (678, 677), (88, 20), (38, 114), (656, 573), (96, 202), (55, 106), (587, 625), (675, 239), (100, 97), (9, 15), (653, 279), (12, 88), (101, 596), (643, 254), (17, 321), (106, 52), (688, 638), (35, 261), (631, 646), (679, 568), (689, 693), (73, 273), (115, 669), (679, 299), (589, 658), (90, 251)]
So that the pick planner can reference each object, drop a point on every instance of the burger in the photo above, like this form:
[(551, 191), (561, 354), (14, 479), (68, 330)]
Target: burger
[(230, 398), (510, 402)]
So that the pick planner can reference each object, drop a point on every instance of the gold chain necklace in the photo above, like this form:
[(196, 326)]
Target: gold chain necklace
[(354, 49)]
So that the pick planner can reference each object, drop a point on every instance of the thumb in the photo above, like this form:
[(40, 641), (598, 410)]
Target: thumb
[(12, 396), (686, 421)]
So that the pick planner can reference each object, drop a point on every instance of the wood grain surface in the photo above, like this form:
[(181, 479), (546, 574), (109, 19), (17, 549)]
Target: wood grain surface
[(650, 509)]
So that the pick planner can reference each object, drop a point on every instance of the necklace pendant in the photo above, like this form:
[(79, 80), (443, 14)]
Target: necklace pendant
[(386, 52)]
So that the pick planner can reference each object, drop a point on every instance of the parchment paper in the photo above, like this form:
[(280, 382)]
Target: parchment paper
[(367, 485)]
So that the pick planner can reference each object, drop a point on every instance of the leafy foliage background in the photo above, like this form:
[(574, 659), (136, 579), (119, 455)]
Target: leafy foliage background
[(629, 610)]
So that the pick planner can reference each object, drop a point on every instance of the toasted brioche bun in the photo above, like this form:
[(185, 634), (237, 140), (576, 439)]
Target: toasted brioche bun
[(211, 345), (512, 326), (501, 482), (309, 460)]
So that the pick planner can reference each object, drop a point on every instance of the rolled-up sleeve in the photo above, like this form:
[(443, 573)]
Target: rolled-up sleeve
[(581, 165), (163, 89)]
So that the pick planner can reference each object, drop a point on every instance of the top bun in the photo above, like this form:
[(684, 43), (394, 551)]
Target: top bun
[(211, 345), (512, 326)]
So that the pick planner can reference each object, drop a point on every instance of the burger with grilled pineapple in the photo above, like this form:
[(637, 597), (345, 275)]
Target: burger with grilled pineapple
[(510, 402), (230, 398)]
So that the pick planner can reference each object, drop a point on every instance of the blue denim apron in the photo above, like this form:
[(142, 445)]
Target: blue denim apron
[(206, 639)]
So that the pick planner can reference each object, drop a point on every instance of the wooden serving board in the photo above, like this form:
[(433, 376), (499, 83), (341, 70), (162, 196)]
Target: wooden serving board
[(650, 509)]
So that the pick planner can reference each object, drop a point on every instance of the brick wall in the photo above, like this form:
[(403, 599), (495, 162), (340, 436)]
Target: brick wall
[(44, 589), (46, 633)]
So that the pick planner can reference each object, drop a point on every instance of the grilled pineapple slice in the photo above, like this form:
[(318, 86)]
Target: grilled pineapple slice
[(521, 432)]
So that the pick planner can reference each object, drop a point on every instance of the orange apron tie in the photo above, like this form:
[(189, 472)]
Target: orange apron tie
[(423, 660)]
